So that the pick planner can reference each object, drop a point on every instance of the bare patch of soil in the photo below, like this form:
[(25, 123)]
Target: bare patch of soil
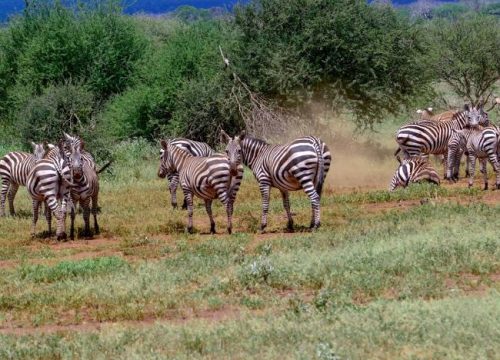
[(176, 317)]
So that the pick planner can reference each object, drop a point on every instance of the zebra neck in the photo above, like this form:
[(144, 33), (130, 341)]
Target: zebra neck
[(459, 120), (179, 157), (250, 151)]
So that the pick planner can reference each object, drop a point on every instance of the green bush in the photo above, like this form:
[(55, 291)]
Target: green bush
[(368, 58)]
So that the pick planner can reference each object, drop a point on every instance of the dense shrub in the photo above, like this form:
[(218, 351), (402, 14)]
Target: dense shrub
[(368, 58)]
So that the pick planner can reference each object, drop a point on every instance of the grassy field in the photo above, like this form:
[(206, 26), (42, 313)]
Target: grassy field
[(410, 274)]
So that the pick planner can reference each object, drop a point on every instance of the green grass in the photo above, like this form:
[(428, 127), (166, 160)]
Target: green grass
[(378, 280)]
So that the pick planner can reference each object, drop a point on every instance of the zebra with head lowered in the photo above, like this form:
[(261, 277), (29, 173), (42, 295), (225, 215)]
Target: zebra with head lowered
[(85, 188), (14, 170), (49, 181), (412, 170), (422, 138), (301, 164), (479, 143), (206, 177), (195, 148)]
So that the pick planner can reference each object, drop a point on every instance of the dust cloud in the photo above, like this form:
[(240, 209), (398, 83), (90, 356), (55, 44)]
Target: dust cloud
[(360, 160)]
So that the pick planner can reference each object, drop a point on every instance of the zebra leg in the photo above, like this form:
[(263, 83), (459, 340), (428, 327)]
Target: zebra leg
[(72, 216), (286, 204), (48, 217), (36, 205), (308, 187), (189, 199), (472, 167), (229, 211), (467, 164), (484, 171), (12, 194), (265, 188), (172, 187), (3, 195), (86, 216), (60, 214), (94, 213), (208, 206), (493, 158)]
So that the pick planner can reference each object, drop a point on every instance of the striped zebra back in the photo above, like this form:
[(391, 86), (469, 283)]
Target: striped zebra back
[(195, 148), (16, 166), (414, 169)]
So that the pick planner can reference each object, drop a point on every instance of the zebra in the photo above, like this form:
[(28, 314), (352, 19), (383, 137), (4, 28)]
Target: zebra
[(206, 177), (301, 164), (479, 143), (86, 186), (426, 137), (50, 181), (14, 170), (195, 148), (414, 169)]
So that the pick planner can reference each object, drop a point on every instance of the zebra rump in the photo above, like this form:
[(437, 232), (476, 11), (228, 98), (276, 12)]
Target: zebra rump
[(14, 170)]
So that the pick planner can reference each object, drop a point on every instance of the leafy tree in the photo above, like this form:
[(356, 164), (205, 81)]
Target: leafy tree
[(449, 11), (365, 58), (467, 54)]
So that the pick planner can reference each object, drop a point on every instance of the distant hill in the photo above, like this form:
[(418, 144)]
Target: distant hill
[(10, 7)]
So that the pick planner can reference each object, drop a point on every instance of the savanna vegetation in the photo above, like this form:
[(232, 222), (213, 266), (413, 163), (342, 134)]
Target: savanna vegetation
[(410, 274)]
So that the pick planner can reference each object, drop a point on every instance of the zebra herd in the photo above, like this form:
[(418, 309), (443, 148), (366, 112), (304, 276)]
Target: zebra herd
[(300, 164), (451, 135), (59, 176), (64, 175)]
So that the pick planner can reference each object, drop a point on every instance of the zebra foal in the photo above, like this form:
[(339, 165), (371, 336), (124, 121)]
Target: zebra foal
[(195, 148), (49, 181), (300, 164), (206, 177), (412, 170), (14, 170)]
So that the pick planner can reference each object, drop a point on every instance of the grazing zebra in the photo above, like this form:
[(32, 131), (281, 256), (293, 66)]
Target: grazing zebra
[(479, 143), (300, 164), (49, 181), (86, 186), (206, 177), (195, 148), (414, 169), (422, 138), (14, 170)]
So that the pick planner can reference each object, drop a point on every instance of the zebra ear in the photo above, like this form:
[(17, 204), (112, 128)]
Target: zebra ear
[(164, 144), (50, 146), (466, 107), (82, 145), (224, 137), (429, 109), (68, 137), (419, 111), (242, 134), (33, 145)]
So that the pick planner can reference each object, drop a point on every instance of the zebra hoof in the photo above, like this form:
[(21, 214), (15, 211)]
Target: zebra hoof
[(498, 186), (62, 237), (189, 230), (229, 231), (485, 187), (174, 206)]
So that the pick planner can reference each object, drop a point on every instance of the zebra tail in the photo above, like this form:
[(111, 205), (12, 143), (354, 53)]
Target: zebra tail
[(320, 176)]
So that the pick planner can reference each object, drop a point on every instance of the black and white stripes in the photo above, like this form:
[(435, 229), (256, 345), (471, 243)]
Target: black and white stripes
[(205, 177), (14, 170), (412, 170), (301, 164), (195, 148)]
